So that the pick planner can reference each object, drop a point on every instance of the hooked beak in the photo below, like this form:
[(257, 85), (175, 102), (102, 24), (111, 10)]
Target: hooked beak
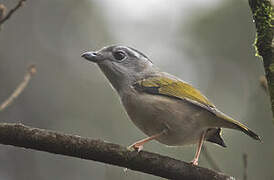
[(92, 56)]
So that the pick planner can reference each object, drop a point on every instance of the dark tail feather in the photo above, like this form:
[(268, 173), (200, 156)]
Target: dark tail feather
[(231, 123), (248, 132), (214, 135)]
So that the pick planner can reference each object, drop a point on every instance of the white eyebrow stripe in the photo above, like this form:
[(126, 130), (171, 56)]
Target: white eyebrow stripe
[(136, 52), (132, 51)]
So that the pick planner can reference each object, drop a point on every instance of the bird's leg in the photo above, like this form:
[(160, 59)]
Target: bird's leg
[(139, 144), (198, 150)]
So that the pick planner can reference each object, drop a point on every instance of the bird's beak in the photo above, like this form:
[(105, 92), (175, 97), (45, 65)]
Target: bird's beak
[(92, 56)]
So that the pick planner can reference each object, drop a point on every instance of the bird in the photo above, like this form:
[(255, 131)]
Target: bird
[(164, 107)]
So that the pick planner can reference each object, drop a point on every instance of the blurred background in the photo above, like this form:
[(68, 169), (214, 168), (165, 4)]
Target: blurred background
[(207, 43)]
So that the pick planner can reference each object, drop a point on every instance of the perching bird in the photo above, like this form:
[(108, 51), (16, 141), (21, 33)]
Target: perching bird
[(164, 107)]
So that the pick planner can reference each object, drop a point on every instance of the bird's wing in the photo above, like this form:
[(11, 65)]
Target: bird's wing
[(174, 88)]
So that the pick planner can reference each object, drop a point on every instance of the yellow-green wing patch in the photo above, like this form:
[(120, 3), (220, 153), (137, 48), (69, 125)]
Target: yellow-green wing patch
[(173, 88), (177, 89)]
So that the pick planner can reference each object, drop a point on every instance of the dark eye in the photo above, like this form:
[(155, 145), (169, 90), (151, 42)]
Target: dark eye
[(119, 55)]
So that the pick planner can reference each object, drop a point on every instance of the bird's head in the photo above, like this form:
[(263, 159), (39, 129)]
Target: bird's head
[(122, 65)]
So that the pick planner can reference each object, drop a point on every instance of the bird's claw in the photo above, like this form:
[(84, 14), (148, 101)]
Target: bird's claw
[(137, 147), (194, 162)]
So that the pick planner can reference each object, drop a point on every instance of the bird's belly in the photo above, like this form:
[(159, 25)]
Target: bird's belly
[(182, 122)]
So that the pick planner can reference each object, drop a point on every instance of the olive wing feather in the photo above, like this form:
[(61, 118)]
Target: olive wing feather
[(174, 88)]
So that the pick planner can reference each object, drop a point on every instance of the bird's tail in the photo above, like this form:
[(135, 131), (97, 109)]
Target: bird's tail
[(233, 124)]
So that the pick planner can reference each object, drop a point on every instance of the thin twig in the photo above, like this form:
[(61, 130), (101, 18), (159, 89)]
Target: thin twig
[(210, 159), (98, 150), (9, 14), (263, 82), (245, 166), (31, 71), (3, 11)]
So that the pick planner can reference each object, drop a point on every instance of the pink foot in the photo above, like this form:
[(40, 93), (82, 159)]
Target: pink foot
[(138, 147), (194, 162)]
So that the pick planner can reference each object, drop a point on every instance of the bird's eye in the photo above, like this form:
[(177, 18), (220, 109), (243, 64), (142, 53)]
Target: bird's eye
[(119, 55)]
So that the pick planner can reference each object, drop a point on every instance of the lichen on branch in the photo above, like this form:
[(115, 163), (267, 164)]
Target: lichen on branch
[(262, 11)]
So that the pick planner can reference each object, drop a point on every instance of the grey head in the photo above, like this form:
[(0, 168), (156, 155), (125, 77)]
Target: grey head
[(122, 65)]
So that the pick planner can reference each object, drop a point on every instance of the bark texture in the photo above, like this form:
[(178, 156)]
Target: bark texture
[(98, 150), (262, 11)]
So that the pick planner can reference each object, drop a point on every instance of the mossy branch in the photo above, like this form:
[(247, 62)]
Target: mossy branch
[(262, 11), (97, 150)]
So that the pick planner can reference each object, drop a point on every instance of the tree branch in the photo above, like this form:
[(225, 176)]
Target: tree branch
[(31, 71), (3, 11), (98, 150), (9, 14), (262, 11), (245, 166)]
